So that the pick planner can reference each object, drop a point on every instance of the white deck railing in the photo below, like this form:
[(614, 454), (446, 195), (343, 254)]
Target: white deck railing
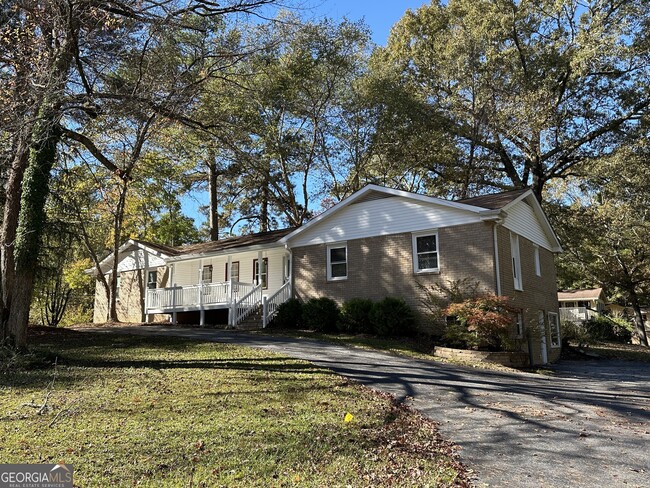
[(271, 304), (576, 314), (196, 296)]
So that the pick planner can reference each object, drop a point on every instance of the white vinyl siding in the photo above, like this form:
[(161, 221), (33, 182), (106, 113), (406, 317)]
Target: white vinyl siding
[(138, 259), (516, 262), (187, 272), (522, 220), (395, 215), (337, 262), (425, 252), (554, 324)]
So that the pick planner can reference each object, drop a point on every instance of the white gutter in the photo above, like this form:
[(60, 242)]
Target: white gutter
[(225, 252)]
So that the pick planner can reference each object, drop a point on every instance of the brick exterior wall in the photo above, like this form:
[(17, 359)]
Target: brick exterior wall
[(131, 298), (383, 266), (539, 292)]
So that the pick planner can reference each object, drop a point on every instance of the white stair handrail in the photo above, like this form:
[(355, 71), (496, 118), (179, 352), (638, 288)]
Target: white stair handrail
[(272, 303), (247, 304)]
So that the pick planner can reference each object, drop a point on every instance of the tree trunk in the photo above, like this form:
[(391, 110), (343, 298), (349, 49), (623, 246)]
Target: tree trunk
[(213, 178), (31, 221), (117, 238), (264, 207), (639, 326), (8, 231)]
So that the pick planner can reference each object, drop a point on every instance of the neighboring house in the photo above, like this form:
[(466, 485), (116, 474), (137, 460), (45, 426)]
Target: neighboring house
[(581, 305), (378, 242)]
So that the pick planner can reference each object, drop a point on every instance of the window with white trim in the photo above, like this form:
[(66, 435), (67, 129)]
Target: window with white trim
[(425, 253), (516, 262), (520, 324), (152, 280), (261, 276), (337, 262), (554, 324), (207, 273), (234, 271), (538, 264)]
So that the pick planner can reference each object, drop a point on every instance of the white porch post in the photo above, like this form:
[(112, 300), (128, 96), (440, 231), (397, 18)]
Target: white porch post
[(231, 293), (201, 310), (265, 311), (174, 304), (145, 284)]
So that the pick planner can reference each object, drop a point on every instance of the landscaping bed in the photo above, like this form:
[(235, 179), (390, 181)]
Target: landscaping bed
[(129, 410), (512, 359)]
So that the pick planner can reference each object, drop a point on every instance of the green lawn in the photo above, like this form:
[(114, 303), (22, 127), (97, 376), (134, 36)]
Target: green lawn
[(128, 410)]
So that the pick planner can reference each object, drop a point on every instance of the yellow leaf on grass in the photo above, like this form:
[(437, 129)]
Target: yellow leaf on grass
[(348, 417)]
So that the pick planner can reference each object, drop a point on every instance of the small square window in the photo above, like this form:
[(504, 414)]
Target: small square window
[(152, 280), (425, 253), (337, 262)]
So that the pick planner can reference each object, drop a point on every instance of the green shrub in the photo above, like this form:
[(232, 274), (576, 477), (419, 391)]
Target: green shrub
[(457, 335), (320, 314), (603, 328), (575, 333), (392, 317), (355, 316), (289, 315)]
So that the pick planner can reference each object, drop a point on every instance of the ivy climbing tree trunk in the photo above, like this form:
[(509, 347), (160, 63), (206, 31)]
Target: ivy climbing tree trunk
[(8, 231), (30, 223)]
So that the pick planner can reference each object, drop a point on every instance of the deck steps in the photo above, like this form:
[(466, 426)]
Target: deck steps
[(252, 322)]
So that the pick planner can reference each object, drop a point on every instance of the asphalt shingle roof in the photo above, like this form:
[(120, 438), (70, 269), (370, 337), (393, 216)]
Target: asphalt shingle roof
[(494, 201)]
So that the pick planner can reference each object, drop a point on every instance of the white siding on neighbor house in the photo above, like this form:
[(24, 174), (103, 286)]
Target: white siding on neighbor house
[(522, 220), (187, 272), (137, 259), (385, 216)]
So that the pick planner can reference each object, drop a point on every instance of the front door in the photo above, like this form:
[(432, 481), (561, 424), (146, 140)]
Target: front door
[(542, 337)]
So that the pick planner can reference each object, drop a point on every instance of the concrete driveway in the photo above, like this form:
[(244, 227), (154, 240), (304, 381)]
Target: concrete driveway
[(588, 425)]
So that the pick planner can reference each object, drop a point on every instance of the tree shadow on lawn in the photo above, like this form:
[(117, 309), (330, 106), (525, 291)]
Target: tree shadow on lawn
[(71, 350)]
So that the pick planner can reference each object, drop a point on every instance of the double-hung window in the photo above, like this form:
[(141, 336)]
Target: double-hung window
[(425, 253), (516, 262), (554, 324), (234, 271), (337, 262), (261, 275), (207, 274), (520, 324)]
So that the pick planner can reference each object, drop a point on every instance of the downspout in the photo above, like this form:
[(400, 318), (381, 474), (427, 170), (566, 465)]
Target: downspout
[(497, 264)]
